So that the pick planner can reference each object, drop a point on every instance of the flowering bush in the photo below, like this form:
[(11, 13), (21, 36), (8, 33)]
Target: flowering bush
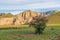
[(39, 22)]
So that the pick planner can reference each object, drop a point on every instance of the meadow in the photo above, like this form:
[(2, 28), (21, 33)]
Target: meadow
[(27, 33)]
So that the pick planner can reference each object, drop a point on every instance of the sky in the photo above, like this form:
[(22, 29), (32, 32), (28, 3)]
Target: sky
[(15, 6)]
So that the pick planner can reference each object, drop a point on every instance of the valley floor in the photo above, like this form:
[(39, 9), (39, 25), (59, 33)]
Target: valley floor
[(26, 33)]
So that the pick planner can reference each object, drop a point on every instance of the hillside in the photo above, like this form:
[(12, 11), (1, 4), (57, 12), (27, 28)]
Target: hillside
[(4, 15), (21, 18), (25, 17), (54, 18)]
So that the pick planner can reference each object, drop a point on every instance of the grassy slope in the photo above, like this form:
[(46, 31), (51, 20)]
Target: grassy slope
[(50, 33), (54, 18), (5, 15)]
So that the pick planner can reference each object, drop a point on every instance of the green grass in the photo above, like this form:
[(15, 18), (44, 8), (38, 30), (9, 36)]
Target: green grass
[(26, 33)]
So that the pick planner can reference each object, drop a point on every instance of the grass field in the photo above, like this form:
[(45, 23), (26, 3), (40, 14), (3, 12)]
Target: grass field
[(26, 33)]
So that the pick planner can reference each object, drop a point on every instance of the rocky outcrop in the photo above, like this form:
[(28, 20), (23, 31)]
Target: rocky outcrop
[(6, 21), (21, 18), (25, 17)]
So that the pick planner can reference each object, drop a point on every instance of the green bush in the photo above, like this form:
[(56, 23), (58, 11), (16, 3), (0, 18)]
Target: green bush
[(39, 23)]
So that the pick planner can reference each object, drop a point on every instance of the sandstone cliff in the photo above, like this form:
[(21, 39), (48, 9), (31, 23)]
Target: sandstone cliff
[(25, 17), (21, 18), (6, 21)]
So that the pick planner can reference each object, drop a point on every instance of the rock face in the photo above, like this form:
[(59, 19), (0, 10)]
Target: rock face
[(6, 21), (25, 17), (21, 18)]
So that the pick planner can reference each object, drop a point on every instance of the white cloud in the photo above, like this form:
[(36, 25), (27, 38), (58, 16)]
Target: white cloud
[(44, 5), (28, 4)]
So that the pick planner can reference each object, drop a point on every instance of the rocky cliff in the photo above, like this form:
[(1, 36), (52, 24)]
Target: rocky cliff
[(25, 17), (21, 18), (6, 21)]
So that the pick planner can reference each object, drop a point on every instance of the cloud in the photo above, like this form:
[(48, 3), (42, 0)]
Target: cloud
[(44, 5), (28, 4), (17, 2)]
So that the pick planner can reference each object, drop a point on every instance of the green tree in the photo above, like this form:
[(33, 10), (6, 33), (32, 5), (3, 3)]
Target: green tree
[(39, 23)]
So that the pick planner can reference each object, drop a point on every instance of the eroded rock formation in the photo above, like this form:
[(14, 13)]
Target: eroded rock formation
[(21, 18)]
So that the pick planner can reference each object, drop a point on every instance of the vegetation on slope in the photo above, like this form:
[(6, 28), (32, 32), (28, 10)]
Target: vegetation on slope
[(54, 18), (3, 15)]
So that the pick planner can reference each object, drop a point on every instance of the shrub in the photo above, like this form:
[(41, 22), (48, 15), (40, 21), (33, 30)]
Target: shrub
[(39, 23)]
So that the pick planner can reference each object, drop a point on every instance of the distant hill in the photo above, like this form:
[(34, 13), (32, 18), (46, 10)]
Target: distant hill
[(51, 12), (4, 15), (54, 18)]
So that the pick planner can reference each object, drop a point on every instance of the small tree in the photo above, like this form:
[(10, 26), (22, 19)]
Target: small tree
[(39, 22)]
